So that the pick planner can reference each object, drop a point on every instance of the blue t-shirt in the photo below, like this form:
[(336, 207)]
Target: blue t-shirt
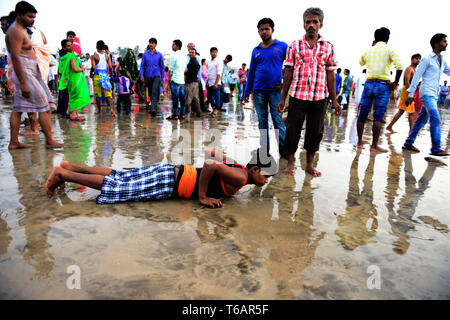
[(266, 67), (338, 82)]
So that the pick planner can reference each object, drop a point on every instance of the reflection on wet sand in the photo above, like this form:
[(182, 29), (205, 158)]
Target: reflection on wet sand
[(284, 236), (37, 218), (359, 223), (402, 221), (275, 242)]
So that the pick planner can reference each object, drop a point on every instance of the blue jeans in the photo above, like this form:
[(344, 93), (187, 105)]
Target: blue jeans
[(177, 91), (265, 101), (347, 96), (442, 99), (213, 96), (241, 91), (376, 93), (429, 111)]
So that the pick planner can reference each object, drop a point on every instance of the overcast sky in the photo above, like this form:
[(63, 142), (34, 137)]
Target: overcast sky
[(231, 25)]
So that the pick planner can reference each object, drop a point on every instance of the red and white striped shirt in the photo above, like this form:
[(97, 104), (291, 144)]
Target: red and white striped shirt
[(310, 67)]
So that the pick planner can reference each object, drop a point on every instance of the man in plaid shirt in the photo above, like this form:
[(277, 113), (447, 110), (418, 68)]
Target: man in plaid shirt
[(309, 67)]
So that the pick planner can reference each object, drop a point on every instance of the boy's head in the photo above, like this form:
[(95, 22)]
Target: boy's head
[(261, 167), (123, 73), (70, 35)]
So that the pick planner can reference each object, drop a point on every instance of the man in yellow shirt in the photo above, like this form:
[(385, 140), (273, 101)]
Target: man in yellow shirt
[(378, 59)]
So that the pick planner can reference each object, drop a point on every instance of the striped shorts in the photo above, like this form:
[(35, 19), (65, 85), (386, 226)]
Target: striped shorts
[(155, 182)]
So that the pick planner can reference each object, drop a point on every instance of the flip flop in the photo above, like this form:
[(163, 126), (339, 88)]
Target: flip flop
[(439, 153)]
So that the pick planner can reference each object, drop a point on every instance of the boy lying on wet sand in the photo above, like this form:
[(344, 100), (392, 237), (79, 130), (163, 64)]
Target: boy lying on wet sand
[(210, 184)]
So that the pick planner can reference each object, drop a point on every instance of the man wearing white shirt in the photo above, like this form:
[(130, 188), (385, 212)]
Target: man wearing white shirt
[(87, 64), (215, 68), (176, 79)]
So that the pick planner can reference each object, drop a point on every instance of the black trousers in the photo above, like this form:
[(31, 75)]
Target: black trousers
[(140, 90), (314, 113), (63, 102), (125, 101)]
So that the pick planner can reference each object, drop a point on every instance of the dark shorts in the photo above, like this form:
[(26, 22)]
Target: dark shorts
[(155, 182), (314, 113)]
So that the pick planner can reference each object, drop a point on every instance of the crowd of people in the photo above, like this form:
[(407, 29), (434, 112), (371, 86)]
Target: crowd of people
[(301, 79)]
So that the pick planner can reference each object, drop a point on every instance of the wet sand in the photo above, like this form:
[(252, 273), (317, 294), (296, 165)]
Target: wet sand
[(296, 238)]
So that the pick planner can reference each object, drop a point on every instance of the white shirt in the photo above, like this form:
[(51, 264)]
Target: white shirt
[(215, 68), (53, 70), (87, 67)]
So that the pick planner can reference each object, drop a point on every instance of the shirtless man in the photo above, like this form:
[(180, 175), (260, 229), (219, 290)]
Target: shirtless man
[(219, 177), (30, 95), (100, 71), (402, 107)]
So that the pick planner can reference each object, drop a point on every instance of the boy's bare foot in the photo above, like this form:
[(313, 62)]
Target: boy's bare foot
[(390, 130), (313, 171), (360, 145), (54, 181), (66, 165), (53, 145), (289, 170), (377, 149), (18, 146), (29, 133)]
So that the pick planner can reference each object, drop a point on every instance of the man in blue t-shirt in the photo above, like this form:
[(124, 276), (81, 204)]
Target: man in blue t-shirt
[(346, 88), (338, 81), (264, 80), (443, 93)]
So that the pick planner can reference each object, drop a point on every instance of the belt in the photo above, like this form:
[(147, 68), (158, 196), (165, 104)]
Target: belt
[(378, 80)]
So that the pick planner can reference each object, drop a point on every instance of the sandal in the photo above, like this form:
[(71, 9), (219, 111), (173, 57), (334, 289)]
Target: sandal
[(410, 148), (183, 116), (77, 118), (172, 117)]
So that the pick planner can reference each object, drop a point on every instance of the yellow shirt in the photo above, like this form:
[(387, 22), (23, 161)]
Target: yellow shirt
[(379, 60)]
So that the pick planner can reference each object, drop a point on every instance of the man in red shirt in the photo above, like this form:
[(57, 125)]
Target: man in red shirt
[(310, 64)]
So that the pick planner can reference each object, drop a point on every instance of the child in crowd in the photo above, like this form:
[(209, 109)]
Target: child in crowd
[(125, 91)]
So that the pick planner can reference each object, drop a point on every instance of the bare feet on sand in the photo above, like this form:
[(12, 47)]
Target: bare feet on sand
[(313, 171), (53, 145), (18, 146), (361, 145), (377, 149), (54, 181), (289, 170), (29, 133)]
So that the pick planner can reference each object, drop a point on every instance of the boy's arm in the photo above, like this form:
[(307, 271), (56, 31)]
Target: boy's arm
[(93, 65), (219, 156), (228, 174)]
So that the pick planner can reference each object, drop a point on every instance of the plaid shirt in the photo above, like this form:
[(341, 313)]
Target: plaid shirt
[(379, 60), (310, 68)]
